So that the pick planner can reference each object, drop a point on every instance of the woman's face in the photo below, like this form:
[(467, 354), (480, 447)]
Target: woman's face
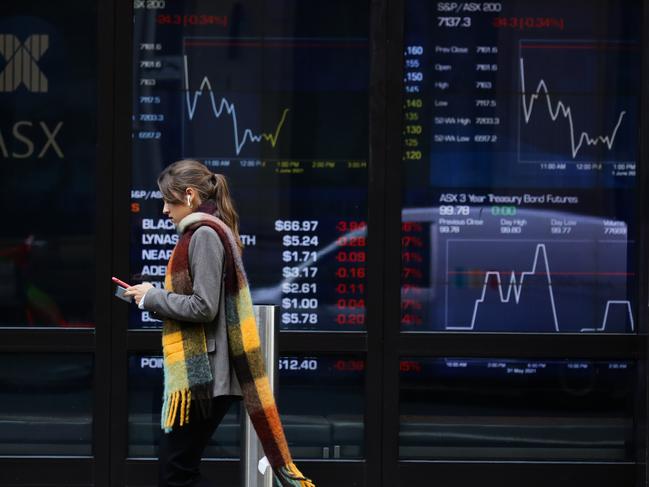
[(182, 206), (176, 211)]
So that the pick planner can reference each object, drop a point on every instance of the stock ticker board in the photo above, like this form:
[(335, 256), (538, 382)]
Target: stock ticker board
[(519, 156), (274, 96), (520, 152)]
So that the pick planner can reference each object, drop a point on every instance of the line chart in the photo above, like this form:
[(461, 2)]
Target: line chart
[(510, 290), (224, 106), (559, 108)]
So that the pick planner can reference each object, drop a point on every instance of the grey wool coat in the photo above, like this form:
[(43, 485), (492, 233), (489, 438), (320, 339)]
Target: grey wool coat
[(205, 305)]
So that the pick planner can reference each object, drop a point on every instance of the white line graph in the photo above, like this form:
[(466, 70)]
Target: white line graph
[(555, 110), (604, 320), (218, 108), (515, 287)]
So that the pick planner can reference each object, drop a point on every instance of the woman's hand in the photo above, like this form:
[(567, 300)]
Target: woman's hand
[(138, 291)]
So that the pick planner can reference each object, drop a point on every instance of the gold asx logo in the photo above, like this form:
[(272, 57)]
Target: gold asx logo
[(24, 140), (22, 63)]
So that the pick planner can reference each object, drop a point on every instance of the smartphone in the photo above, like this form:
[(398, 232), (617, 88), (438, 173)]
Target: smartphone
[(120, 288), (119, 282)]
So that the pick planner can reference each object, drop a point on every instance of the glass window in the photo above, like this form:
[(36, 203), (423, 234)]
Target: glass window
[(331, 426), (145, 387), (322, 404), (46, 404), (520, 181), (48, 136), (512, 409), (274, 96)]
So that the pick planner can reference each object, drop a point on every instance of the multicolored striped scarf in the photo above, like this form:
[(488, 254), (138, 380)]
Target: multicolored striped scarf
[(187, 374)]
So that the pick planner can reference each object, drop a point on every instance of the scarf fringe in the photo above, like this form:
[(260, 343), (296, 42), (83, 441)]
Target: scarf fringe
[(290, 476), (177, 404)]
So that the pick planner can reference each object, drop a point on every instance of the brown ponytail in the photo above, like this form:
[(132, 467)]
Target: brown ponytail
[(177, 177), (226, 206)]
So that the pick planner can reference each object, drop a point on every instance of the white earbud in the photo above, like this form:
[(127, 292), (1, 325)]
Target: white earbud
[(189, 201)]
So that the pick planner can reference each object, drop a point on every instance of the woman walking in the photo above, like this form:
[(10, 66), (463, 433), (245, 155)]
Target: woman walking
[(210, 340)]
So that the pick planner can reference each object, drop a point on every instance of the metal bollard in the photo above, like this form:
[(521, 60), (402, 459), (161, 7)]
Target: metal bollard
[(252, 451)]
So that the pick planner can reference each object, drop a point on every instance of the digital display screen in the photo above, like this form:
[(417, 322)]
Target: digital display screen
[(274, 95), (459, 408), (520, 151), (330, 427)]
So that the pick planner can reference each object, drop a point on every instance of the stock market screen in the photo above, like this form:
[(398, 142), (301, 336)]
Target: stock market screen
[(514, 409), (274, 95), (520, 137)]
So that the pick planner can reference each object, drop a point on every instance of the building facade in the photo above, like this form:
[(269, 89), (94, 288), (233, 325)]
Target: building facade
[(446, 202)]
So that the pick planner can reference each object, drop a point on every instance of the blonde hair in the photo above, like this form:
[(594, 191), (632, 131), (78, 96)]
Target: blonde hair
[(177, 177)]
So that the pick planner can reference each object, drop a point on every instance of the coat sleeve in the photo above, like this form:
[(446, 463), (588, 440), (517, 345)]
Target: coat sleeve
[(206, 256)]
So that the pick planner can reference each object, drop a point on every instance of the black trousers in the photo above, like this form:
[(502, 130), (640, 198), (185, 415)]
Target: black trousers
[(181, 449)]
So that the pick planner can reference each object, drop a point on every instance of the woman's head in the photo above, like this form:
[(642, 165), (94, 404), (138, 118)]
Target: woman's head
[(187, 184)]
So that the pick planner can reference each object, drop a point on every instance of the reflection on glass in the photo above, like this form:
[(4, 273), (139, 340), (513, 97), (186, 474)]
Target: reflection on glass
[(520, 179), (277, 100), (320, 400), (46, 404), (512, 409), (485, 280), (48, 151)]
